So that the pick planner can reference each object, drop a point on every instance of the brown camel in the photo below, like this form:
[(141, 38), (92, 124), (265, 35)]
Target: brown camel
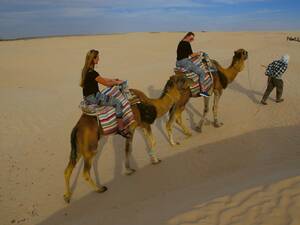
[(221, 79), (86, 133)]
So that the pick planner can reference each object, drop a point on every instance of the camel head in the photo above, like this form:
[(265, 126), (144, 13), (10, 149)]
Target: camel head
[(239, 58)]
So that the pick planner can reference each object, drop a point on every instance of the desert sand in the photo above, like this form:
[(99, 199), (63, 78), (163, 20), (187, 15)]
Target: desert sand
[(246, 172)]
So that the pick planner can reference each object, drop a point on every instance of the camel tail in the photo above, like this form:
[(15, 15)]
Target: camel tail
[(148, 112), (73, 155)]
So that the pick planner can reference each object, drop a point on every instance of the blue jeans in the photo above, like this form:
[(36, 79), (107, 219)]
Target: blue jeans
[(105, 100), (191, 67)]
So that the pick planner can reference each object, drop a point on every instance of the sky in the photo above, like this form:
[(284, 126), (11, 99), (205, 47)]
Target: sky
[(31, 18)]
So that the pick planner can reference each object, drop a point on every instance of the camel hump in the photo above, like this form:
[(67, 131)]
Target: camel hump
[(148, 112)]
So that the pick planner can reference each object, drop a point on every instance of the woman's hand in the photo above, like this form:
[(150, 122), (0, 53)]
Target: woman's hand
[(117, 81)]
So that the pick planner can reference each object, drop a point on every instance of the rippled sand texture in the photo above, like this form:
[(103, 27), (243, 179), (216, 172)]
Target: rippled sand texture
[(276, 204)]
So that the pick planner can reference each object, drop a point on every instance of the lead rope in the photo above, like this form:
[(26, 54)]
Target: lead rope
[(249, 80), (250, 86)]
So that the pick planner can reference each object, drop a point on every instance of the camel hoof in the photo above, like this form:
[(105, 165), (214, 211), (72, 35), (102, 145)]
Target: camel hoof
[(158, 161), (175, 144), (217, 124), (130, 172), (188, 134), (207, 122), (102, 189), (198, 129), (67, 198)]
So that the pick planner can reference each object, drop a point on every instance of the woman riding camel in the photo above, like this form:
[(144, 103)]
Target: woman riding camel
[(89, 83), (184, 55)]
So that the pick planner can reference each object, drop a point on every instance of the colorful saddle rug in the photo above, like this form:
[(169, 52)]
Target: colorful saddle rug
[(208, 69), (106, 115)]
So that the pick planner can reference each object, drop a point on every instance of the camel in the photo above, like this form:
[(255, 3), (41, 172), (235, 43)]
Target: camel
[(292, 39), (221, 79), (86, 134)]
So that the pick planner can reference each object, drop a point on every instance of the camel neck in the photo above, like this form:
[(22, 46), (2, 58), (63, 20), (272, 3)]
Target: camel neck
[(164, 104), (231, 73)]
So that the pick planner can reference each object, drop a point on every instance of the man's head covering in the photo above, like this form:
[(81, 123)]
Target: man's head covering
[(285, 58)]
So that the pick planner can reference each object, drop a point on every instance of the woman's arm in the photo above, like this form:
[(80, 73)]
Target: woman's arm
[(107, 81), (194, 54)]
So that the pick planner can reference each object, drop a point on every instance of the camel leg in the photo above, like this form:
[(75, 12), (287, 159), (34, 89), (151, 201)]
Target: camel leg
[(87, 175), (151, 142), (217, 97), (68, 172), (169, 126), (178, 115), (205, 111), (128, 151), (89, 145)]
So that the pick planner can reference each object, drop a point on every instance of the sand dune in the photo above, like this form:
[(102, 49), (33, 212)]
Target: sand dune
[(246, 172)]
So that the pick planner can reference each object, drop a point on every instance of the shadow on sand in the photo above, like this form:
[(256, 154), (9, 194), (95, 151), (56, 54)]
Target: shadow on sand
[(154, 194), (254, 96)]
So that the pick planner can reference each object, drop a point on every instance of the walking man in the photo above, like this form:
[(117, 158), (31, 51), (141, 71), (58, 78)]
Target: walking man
[(275, 71)]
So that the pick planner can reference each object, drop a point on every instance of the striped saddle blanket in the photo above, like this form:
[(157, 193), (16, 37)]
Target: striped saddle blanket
[(208, 81), (106, 115)]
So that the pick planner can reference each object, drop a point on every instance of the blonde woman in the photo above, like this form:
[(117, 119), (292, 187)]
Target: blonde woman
[(89, 83)]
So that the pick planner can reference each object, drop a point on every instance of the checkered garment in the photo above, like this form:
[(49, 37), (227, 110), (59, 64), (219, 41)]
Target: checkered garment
[(276, 69)]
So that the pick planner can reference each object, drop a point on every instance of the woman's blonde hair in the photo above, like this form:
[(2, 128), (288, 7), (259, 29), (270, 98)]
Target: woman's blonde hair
[(89, 64)]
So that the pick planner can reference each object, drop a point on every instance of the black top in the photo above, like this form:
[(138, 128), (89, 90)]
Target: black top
[(90, 85), (184, 50)]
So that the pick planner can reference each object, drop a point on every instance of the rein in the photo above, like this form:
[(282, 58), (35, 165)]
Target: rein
[(248, 70), (250, 85)]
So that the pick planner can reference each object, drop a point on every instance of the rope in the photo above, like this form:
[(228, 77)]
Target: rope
[(249, 80), (250, 86)]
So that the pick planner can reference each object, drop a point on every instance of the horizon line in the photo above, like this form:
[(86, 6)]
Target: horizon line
[(121, 33)]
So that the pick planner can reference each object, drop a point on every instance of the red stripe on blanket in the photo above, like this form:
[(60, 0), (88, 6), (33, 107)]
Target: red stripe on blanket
[(107, 117)]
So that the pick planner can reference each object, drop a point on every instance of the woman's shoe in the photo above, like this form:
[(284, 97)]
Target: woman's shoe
[(204, 94)]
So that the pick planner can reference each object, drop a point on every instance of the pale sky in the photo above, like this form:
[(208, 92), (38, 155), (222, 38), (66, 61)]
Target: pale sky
[(29, 18)]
